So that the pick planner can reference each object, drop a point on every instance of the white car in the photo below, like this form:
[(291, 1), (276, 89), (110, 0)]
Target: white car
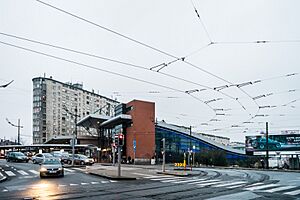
[(40, 157)]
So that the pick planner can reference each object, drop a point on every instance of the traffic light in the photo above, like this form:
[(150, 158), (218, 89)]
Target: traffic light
[(121, 139), (117, 140)]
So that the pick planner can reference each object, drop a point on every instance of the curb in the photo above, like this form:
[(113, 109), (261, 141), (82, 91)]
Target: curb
[(175, 174), (113, 177)]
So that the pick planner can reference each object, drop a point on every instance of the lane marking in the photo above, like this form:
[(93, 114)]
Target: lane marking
[(157, 176), (69, 170), (261, 187), (73, 184), (62, 185), (207, 184), (231, 183), (34, 172), (166, 178), (295, 192), (281, 188), (10, 173), (112, 181), (23, 172), (206, 181), (85, 183), (93, 183), (190, 180)]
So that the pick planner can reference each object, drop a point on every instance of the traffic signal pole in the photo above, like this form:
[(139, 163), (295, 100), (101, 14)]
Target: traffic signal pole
[(119, 160), (267, 145)]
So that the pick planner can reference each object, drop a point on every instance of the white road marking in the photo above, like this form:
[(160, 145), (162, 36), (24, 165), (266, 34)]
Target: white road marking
[(93, 183), (281, 188), (79, 169), (73, 184), (62, 185), (165, 178), (104, 181), (112, 181), (295, 192), (85, 183), (205, 181), (230, 184), (241, 195), (262, 187), (10, 173), (69, 170), (254, 184), (207, 184), (23, 172), (4, 190), (235, 186), (34, 172), (190, 180), (157, 176)]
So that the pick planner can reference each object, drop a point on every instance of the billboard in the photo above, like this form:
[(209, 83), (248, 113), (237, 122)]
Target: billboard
[(287, 142)]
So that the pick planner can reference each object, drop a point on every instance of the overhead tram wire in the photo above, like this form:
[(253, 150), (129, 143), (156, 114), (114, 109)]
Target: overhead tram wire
[(118, 62), (131, 39), (99, 69)]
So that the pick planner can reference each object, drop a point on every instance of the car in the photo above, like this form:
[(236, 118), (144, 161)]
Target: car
[(80, 159), (16, 157), (260, 143), (51, 167), (40, 157), (62, 156)]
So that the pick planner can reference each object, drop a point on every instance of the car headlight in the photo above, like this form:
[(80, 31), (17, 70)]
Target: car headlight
[(60, 168), (43, 169)]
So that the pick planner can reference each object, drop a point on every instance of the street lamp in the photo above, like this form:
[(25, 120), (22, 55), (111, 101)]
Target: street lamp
[(7, 84), (18, 126)]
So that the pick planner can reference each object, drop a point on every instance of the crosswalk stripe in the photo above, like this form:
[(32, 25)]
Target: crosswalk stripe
[(254, 184), (281, 188), (171, 180), (93, 183), (112, 181), (69, 170), (165, 178), (261, 187), (34, 172), (23, 172), (79, 169), (235, 186), (189, 180), (62, 185), (156, 176), (85, 183), (73, 184), (207, 184), (295, 192), (231, 183), (205, 181), (10, 173)]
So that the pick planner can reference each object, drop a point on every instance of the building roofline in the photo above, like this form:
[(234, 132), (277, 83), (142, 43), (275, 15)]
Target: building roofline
[(51, 79)]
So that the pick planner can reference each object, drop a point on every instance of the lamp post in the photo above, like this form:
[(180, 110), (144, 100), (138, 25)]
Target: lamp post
[(164, 155), (18, 126)]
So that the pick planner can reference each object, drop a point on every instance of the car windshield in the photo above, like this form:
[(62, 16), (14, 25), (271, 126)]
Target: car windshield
[(19, 154), (51, 162), (48, 155)]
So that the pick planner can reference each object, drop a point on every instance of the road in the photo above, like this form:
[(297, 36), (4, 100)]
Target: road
[(209, 183)]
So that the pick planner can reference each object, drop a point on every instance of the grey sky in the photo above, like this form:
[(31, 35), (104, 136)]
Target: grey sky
[(173, 27)]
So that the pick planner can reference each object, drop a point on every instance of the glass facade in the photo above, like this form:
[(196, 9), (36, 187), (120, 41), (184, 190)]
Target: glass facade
[(178, 143)]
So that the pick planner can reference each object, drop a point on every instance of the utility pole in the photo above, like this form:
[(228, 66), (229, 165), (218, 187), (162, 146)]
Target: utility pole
[(19, 128), (164, 155), (74, 135), (190, 148), (267, 145)]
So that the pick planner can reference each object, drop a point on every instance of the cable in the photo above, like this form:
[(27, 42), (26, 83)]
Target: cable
[(98, 69), (120, 62), (135, 41)]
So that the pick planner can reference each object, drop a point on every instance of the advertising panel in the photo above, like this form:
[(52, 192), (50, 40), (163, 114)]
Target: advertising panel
[(288, 142)]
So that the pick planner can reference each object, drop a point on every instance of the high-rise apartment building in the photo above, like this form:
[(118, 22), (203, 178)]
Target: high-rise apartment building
[(55, 104)]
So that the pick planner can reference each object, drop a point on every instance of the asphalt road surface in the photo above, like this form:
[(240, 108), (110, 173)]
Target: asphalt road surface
[(214, 184)]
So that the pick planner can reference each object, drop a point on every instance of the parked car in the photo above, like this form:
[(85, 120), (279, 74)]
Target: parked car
[(16, 157), (62, 156), (40, 157), (51, 167), (80, 159)]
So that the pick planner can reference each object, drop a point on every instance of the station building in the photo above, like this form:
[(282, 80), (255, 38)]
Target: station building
[(143, 135)]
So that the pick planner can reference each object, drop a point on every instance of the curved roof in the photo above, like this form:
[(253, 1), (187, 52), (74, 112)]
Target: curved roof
[(185, 131)]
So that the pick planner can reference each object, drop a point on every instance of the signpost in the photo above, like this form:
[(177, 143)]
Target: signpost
[(134, 150), (119, 143)]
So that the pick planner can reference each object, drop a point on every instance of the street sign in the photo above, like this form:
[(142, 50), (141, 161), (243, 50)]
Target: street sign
[(134, 145)]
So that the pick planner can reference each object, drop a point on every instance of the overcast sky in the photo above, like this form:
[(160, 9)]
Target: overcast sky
[(186, 92)]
